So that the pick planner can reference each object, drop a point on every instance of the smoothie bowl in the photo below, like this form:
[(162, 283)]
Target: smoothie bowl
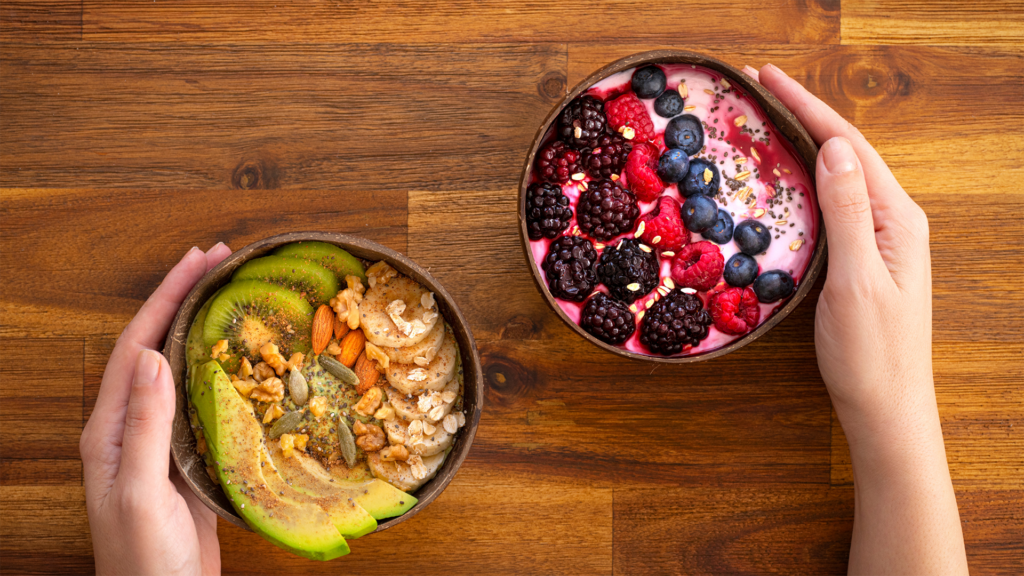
[(327, 388), (667, 208)]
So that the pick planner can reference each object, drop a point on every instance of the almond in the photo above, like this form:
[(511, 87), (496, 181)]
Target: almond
[(351, 347), (323, 328), (367, 372), (340, 328)]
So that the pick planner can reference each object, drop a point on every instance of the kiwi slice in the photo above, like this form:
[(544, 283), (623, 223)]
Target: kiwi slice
[(327, 255), (312, 281), (250, 313)]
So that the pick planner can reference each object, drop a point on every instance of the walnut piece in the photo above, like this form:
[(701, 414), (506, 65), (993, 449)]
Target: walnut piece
[(219, 348), (273, 413), (334, 348), (380, 273), (272, 356), (246, 370), (270, 390), (369, 437), (369, 402), (398, 452), (262, 371), (292, 442), (373, 352), (346, 306), (245, 387), (385, 412), (317, 406)]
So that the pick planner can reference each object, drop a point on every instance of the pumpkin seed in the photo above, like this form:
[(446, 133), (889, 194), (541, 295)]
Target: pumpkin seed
[(348, 443), (298, 387), (285, 424), (339, 370)]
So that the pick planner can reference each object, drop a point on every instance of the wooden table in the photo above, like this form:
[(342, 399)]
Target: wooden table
[(132, 130)]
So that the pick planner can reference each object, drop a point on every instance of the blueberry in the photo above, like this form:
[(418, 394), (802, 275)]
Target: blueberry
[(668, 104), (686, 133), (740, 270), (696, 180), (672, 166), (773, 285), (648, 82), (721, 232), (751, 236), (699, 213)]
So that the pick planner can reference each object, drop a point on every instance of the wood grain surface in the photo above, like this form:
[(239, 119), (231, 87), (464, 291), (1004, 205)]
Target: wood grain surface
[(133, 130)]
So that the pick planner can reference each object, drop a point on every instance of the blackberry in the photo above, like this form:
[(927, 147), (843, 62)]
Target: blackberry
[(606, 210), (587, 114), (547, 211), (556, 163), (569, 266), (608, 157), (607, 319), (674, 321), (627, 265)]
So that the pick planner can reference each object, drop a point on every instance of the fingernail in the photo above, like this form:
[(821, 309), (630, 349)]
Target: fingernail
[(218, 244), (750, 71), (147, 367), (838, 156), (191, 250), (777, 69)]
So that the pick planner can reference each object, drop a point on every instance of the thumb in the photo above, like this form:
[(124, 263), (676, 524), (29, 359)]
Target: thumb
[(145, 449), (846, 207)]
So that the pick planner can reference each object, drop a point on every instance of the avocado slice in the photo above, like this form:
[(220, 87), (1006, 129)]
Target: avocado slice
[(235, 441), (327, 255), (196, 350), (380, 499)]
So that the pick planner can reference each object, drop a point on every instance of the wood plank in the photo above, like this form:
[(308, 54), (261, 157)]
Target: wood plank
[(41, 409), (97, 352), (124, 246), (297, 116), (40, 472), (45, 530), (992, 522), (814, 21), (484, 523), (41, 20), (933, 22)]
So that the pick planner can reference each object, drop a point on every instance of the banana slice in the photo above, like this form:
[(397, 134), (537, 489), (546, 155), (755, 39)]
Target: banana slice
[(398, 314), (400, 475), (409, 408), (439, 441), (411, 379), (425, 349)]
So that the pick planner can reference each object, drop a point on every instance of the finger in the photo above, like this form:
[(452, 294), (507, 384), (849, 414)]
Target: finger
[(150, 325), (752, 72), (214, 255), (146, 445), (843, 197)]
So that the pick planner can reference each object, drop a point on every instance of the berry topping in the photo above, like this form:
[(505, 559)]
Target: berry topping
[(582, 122), (608, 157), (628, 271), (663, 226), (740, 270), (773, 285), (699, 213), (721, 232), (557, 162), (735, 310), (547, 211), (702, 178), (752, 237), (641, 174), (628, 111), (606, 210), (669, 104), (649, 81), (684, 132), (673, 165), (698, 266), (677, 320), (569, 266), (607, 319)]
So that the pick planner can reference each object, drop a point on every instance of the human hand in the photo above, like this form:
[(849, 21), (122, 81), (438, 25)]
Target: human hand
[(144, 519), (872, 336)]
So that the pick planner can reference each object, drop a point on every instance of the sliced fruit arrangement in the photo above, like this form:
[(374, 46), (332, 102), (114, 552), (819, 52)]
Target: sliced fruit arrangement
[(323, 393), (653, 195)]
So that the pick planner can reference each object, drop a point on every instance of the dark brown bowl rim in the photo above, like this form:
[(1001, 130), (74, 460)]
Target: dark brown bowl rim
[(183, 444), (783, 119)]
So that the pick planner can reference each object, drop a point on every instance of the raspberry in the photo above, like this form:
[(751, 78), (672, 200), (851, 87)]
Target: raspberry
[(547, 211), (569, 266), (556, 163), (735, 310), (606, 210), (642, 172), (627, 265), (677, 320), (698, 266), (663, 226), (607, 319), (587, 114), (628, 110), (608, 157)]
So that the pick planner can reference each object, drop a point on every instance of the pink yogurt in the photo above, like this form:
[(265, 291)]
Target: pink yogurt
[(782, 195)]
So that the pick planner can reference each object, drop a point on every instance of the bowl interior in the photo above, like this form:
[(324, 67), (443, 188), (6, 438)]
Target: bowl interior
[(784, 120), (183, 445)]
